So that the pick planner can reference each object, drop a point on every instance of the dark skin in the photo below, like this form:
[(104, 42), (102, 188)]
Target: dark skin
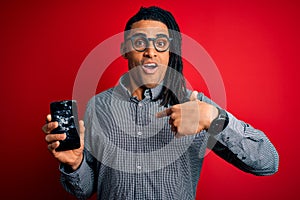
[(185, 119)]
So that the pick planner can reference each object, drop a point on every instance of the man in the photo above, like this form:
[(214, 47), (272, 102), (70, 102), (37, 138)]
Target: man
[(129, 150)]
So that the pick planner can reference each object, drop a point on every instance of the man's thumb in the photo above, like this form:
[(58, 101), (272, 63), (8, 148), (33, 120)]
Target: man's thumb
[(81, 131), (194, 95)]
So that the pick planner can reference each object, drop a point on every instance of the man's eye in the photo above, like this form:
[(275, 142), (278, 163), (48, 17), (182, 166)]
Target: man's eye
[(140, 43), (161, 43)]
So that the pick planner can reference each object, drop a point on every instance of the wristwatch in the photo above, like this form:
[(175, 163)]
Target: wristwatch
[(219, 123)]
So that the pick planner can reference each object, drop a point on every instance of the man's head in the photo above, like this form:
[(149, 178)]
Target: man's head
[(157, 14), (152, 45)]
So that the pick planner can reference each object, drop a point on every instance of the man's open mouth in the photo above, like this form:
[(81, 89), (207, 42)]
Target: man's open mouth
[(150, 68)]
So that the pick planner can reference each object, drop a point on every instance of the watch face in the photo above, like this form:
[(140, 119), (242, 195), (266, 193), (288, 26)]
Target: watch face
[(218, 125)]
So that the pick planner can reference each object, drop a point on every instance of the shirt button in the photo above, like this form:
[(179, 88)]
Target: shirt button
[(140, 104), (139, 167), (139, 133)]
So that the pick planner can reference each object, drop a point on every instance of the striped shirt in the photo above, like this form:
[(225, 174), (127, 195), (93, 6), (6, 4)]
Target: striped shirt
[(131, 154)]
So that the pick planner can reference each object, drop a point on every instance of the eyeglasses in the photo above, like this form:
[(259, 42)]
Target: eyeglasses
[(140, 42)]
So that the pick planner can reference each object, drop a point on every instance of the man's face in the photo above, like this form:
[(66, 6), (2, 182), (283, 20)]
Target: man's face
[(148, 67)]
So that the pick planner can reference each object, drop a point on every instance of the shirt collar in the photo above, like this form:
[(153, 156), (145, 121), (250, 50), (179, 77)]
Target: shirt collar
[(152, 93)]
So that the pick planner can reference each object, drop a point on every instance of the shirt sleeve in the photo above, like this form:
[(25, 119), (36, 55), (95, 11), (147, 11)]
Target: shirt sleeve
[(245, 147), (80, 183)]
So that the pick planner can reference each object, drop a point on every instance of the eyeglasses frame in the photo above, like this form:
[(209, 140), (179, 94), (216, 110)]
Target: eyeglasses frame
[(149, 40)]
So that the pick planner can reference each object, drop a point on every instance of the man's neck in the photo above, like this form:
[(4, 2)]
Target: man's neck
[(138, 91)]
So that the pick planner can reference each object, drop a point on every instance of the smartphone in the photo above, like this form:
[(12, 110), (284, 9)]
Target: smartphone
[(65, 113)]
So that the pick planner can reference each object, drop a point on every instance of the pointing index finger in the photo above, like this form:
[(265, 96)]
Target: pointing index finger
[(164, 113)]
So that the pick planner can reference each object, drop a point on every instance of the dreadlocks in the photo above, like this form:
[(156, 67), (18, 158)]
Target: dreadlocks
[(174, 89)]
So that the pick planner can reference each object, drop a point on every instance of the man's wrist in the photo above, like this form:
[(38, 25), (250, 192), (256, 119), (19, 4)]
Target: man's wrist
[(78, 163), (71, 167)]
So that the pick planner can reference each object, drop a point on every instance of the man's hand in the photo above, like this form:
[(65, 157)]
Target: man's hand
[(190, 117), (73, 158)]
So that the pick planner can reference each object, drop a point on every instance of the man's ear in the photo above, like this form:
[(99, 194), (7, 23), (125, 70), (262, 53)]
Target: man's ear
[(123, 50)]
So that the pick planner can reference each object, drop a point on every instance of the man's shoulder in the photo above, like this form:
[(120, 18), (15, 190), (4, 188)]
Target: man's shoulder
[(105, 93), (102, 97), (116, 93)]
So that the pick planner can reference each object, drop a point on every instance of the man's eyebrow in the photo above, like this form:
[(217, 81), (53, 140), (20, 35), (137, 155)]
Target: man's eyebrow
[(145, 35), (139, 34), (161, 35)]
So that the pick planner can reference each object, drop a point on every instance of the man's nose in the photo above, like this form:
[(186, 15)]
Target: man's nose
[(150, 51)]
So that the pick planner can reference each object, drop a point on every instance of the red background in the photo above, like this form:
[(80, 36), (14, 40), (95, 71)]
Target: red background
[(254, 44)]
